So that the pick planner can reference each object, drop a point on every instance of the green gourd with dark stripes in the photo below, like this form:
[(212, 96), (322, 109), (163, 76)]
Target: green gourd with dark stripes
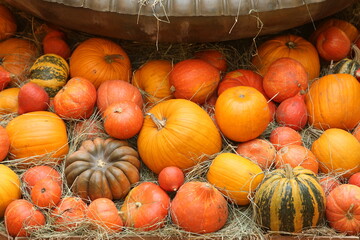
[(346, 65), (51, 72), (289, 200)]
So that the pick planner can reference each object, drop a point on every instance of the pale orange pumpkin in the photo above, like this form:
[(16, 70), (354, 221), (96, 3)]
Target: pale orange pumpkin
[(235, 176), (98, 60), (337, 151), (291, 46), (8, 24), (242, 113), (177, 132), (17, 56), (39, 135), (333, 102), (76, 100), (9, 100), (152, 78)]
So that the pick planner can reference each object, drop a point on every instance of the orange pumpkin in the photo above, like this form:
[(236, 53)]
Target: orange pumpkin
[(153, 80), (242, 113), (9, 100), (296, 155), (177, 132), (5, 143), (39, 135), (356, 132), (213, 56), (76, 100), (194, 79), (17, 56), (284, 136), (328, 183), (333, 102), (351, 31), (9, 188), (235, 176), (285, 78), (337, 151), (291, 46), (8, 24), (98, 60), (199, 207), (114, 91), (37, 173), (46, 193)]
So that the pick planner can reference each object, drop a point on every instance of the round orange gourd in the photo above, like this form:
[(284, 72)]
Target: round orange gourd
[(17, 56), (37, 134), (177, 132), (153, 80), (9, 187), (235, 176), (284, 136), (98, 60), (337, 151), (333, 102), (194, 79), (242, 113), (9, 100), (8, 24), (291, 46)]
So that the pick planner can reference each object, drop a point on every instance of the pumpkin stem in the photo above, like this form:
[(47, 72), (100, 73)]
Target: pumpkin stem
[(138, 204), (349, 215), (159, 123), (100, 163), (112, 58), (356, 53), (291, 44), (288, 171)]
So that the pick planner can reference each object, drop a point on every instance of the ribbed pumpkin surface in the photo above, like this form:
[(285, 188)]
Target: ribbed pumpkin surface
[(289, 200), (51, 72), (9, 188), (183, 135)]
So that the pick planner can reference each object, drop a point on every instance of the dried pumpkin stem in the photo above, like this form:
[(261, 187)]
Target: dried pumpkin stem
[(159, 123), (288, 171), (112, 58), (291, 44), (349, 215)]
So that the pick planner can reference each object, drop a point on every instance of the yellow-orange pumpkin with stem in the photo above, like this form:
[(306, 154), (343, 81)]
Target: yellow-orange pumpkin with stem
[(333, 102), (337, 151), (242, 113), (152, 78), (291, 46), (9, 187), (98, 60), (177, 132), (37, 135), (235, 176)]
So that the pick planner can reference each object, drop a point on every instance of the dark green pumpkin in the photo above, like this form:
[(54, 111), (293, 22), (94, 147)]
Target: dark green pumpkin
[(51, 72), (346, 65), (289, 200)]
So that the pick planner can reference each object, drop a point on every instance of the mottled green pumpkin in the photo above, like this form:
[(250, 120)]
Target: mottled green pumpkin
[(289, 200), (51, 72)]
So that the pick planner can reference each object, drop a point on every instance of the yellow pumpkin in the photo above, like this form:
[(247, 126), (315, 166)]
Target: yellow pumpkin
[(37, 135), (9, 100), (235, 176), (337, 151), (177, 132), (9, 187)]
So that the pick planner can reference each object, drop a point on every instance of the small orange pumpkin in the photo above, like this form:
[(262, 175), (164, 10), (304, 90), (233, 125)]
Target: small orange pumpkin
[(98, 60), (242, 113), (46, 193), (284, 136)]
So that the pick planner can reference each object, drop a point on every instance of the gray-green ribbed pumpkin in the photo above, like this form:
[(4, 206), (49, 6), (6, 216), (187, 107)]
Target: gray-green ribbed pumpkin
[(51, 72), (346, 65), (289, 200)]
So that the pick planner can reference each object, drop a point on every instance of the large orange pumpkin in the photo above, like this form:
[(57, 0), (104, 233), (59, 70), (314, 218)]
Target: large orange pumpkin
[(333, 102), (17, 56), (37, 135), (8, 24), (177, 132), (291, 46), (153, 80), (235, 176), (98, 60), (337, 151), (5, 143), (9, 187), (242, 113)]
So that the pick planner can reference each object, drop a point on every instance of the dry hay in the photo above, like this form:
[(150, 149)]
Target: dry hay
[(238, 53)]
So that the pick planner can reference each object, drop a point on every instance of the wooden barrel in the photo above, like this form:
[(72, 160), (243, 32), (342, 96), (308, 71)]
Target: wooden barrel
[(180, 20)]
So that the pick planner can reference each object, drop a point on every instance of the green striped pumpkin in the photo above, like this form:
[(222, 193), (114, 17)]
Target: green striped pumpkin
[(51, 72), (289, 200), (346, 65)]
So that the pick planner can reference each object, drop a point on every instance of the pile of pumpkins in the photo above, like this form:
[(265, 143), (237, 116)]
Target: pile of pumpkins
[(180, 114)]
